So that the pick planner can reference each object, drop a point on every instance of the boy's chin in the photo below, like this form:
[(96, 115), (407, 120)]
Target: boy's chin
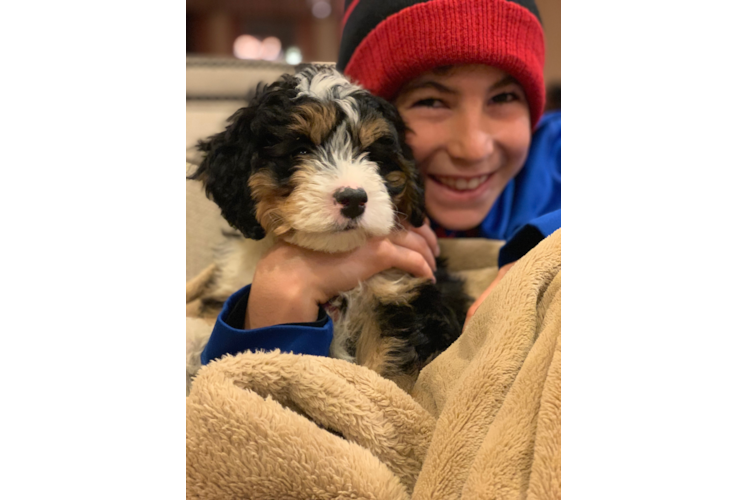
[(457, 220)]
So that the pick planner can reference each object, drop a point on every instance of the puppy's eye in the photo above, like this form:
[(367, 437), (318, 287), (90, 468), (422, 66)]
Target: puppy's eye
[(300, 151), (386, 140)]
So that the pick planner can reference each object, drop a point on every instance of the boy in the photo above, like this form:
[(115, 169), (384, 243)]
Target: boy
[(467, 77)]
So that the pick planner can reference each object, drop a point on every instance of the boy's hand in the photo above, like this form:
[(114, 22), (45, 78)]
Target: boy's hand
[(291, 282), (502, 272), (427, 234)]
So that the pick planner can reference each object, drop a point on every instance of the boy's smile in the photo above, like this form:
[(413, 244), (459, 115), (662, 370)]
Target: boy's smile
[(458, 191), (462, 184), (470, 131)]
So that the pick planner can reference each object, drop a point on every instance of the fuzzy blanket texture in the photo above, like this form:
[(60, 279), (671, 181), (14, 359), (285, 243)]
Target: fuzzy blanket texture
[(482, 422)]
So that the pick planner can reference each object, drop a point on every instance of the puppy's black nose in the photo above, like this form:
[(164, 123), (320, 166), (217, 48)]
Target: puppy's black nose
[(353, 201)]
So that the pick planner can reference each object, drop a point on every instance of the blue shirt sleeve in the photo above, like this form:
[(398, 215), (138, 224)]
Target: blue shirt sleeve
[(529, 235), (228, 336)]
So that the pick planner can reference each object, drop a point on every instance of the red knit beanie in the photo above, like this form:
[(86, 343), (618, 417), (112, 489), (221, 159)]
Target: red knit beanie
[(387, 43)]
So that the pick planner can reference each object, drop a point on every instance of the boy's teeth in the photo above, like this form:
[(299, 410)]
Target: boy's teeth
[(462, 184)]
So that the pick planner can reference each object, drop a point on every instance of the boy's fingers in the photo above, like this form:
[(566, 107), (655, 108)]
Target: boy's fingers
[(471, 311), (404, 258), (429, 235), (478, 302), (414, 241)]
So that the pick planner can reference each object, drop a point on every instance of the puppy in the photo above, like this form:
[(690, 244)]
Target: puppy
[(319, 162)]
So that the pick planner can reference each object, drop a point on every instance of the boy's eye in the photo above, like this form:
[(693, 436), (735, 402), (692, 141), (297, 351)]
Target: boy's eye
[(504, 97), (429, 103)]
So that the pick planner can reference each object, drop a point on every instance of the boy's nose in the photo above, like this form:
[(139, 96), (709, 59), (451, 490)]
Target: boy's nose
[(471, 139)]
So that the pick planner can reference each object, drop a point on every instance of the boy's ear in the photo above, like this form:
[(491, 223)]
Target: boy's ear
[(225, 172)]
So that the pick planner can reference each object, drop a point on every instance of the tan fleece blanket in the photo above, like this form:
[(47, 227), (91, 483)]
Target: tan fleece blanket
[(483, 421)]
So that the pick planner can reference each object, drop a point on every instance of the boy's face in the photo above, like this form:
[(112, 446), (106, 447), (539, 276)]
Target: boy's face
[(470, 133)]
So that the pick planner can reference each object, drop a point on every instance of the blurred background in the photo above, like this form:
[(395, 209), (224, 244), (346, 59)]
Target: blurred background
[(295, 31)]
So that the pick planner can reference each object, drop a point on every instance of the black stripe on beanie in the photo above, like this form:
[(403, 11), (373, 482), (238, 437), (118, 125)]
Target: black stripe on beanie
[(529, 5), (367, 14), (364, 18)]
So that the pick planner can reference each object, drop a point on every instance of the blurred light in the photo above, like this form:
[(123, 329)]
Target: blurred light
[(321, 9), (293, 55), (270, 49), (247, 47)]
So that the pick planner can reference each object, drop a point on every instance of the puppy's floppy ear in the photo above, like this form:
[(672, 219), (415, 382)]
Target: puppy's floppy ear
[(412, 201), (225, 172)]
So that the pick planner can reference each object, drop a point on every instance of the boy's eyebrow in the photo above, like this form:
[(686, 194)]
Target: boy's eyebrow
[(430, 84), (507, 80)]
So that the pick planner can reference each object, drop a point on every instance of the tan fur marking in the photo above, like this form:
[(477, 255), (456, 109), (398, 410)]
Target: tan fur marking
[(268, 196), (410, 197), (315, 120), (394, 287), (370, 350), (378, 353), (293, 206), (371, 130), (397, 179)]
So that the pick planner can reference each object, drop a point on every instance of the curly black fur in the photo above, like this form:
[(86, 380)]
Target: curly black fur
[(429, 324)]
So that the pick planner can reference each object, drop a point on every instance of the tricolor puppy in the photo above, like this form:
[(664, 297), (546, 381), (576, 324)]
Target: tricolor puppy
[(321, 163)]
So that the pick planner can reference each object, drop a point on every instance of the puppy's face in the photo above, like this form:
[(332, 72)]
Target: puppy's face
[(316, 161)]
